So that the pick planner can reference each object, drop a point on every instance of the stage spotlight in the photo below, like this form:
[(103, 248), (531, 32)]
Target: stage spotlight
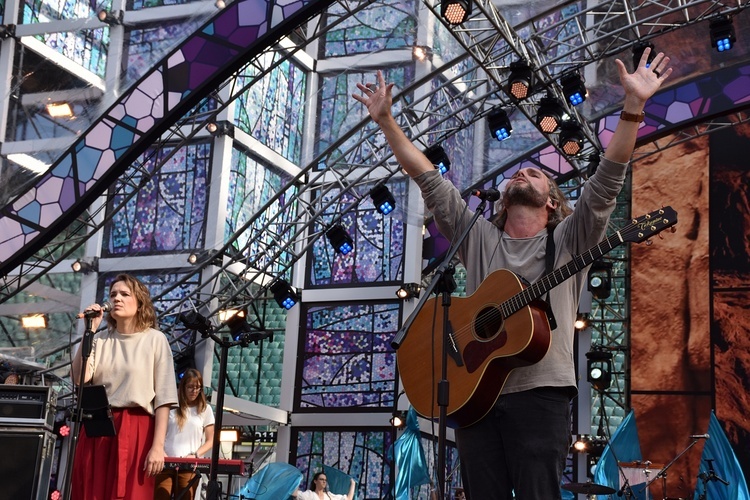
[(581, 322), (408, 291), (86, 266), (220, 128), (34, 321), (398, 419), (580, 444), (205, 256), (600, 279), (284, 294), (722, 33), (436, 155), (499, 124), (59, 109), (383, 199), (573, 88), (421, 53), (340, 239), (7, 31), (455, 11), (599, 369), (113, 18), (519, 80), (229, 435), (184, 361), (193, 320), (241, 330), (571, 138), (550, 115), (638, 49)]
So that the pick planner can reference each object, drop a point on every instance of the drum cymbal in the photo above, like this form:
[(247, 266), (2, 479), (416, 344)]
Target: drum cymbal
[(588, 488)]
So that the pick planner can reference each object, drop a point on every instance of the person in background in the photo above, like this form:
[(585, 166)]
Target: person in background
[(190, 433), (519, 447), (459, 494), (319, 490), (133, 361)]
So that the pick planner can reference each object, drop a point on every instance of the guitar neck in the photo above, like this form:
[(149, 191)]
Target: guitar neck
[(551, 280)]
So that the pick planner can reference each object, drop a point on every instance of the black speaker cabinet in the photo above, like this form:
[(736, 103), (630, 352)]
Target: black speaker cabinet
[(25, 463)]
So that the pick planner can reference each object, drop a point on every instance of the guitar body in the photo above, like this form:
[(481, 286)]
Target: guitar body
[(484, 349)]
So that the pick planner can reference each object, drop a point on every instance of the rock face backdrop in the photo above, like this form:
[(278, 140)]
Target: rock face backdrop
[(690, 330)]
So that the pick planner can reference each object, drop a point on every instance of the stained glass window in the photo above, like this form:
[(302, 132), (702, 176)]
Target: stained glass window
[(144, 4), (380, 25), (251, 186), (378, 240), (168, 212), (338, 112), (346, 359), (361, 454), (86, 47), (272, 110), (40, 11)]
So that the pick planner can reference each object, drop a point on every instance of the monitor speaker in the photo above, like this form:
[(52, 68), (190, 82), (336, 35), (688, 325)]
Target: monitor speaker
[(25, 463)]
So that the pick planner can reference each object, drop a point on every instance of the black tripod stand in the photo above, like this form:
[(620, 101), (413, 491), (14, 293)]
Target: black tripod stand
[(708, 476)]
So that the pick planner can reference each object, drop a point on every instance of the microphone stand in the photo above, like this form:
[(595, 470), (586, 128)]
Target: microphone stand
[(663, 473), (711, 475), (86, 345), (441, 282)]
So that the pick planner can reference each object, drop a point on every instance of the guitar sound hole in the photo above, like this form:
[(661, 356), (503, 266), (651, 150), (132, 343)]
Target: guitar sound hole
[(488, 323)]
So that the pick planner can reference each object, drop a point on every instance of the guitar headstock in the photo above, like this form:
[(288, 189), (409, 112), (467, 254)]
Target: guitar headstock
[(646, 226)]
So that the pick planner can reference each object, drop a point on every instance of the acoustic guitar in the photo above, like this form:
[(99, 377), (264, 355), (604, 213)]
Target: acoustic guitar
[(500, 327)]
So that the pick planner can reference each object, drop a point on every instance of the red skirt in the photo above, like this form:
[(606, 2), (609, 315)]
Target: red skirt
[(108, 468)]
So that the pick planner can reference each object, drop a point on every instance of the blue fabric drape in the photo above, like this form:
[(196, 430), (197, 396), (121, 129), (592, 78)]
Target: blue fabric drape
[(338, 481), (275, 481), (411, 466), (725, 465), (626, 447)]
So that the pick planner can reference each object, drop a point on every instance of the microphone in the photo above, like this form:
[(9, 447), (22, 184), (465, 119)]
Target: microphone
[(699, 436), (106, 307), (491, 194)]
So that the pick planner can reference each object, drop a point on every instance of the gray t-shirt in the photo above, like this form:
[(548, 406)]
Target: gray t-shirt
[(487, 249)]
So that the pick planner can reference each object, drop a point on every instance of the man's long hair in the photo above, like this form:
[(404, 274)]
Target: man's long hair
[(562, 208)]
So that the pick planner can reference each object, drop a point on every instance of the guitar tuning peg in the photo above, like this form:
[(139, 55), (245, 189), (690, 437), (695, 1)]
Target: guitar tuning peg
[(649, 242)]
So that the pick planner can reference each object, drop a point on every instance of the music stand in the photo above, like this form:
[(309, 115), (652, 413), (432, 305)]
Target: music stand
[(97, 415)]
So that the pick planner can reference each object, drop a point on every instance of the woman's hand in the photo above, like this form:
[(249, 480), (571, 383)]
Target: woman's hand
[(154, 463)]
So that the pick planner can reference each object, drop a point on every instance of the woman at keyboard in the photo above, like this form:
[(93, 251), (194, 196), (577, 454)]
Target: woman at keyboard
[(190, 433)]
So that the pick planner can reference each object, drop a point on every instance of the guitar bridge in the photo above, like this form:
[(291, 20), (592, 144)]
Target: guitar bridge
[(453, 347)]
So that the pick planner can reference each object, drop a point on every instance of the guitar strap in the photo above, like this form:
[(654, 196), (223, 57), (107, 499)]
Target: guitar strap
[(550, 264)]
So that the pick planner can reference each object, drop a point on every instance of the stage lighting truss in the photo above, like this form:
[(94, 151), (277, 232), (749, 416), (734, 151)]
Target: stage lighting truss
[(638, 49), (382, 198), (437, 156), (599, 369), (455, 11), (573, 88), (284, 294), (571, 138), (499, 124), (520, 80), (550, 114), (340, 239), (722, 33)]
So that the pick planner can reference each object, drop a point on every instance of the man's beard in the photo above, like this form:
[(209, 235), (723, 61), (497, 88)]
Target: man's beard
[(524, 195)]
